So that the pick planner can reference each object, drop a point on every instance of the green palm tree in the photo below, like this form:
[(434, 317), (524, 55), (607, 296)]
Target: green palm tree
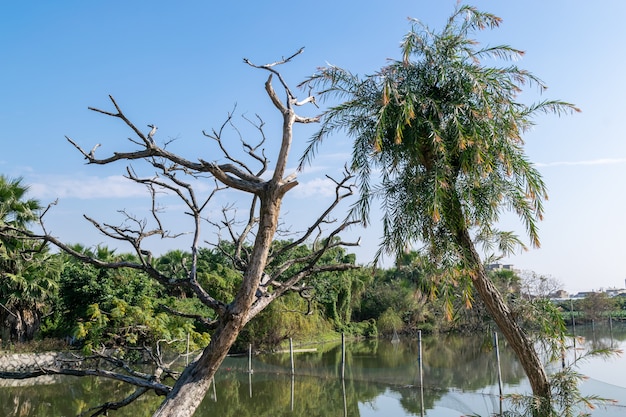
[(28, 274), (438, 139)]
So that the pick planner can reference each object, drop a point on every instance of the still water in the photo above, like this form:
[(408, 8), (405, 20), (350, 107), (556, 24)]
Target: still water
[(381, 379)]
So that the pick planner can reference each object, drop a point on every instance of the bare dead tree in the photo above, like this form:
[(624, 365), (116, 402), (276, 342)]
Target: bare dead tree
[(251, 238)]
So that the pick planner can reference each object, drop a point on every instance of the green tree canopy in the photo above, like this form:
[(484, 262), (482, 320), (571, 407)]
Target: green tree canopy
[(28, 274)]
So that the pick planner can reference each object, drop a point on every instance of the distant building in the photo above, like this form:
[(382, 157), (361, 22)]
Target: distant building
[(560, 294), (499, 267), (613, 292)]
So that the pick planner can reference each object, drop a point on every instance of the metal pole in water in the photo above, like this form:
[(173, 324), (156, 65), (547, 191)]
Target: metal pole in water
[(250, 383), (292, 372), (345, 400), (250, 370), (343, 356), (291, 355), (421, 371), (187, 355), (497, 348), (571, 303), (250, 358), (293, 389)]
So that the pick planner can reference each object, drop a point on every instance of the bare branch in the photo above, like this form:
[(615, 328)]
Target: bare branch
[(103, 409), (121, 115), (205, 322), (202, 295), (8, 311), (251, 150), (270, 67), (238, 178), (342, 190), (158, 388)]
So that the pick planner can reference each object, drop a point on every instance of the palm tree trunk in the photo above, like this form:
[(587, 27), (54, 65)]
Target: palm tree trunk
[(512, 331)]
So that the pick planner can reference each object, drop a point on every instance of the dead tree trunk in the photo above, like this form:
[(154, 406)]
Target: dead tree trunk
[(278, 272), (192, 385)]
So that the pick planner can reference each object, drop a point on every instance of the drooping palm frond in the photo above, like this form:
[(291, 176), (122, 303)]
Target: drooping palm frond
[(438, 126)]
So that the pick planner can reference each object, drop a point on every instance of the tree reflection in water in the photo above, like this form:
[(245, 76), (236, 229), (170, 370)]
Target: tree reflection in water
[(381, 379), (374, 369)]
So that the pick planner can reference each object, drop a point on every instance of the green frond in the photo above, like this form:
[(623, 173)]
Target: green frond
[(438, 138), (504, 52), (552, 107)]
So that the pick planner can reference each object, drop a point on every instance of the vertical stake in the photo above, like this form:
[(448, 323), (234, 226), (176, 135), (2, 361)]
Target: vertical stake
[(187, 355), (343, 356), (250, 370), (421, 371), (250, 358), (293, 389), (571, 303), (345, 399), (291, 355), (497, 348)]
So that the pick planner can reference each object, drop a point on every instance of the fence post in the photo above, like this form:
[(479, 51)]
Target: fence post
[(187, 355), (250, 370), (291, 355), (343, 356), (497, 348), (421, 371), (571, 303)]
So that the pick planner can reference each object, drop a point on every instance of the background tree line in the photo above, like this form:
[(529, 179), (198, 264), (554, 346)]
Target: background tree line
[(56, 295)]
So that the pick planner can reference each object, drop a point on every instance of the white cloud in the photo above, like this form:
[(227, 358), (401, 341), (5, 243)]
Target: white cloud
[(309, 169), (85, 187), (603, 161), (318, 187)]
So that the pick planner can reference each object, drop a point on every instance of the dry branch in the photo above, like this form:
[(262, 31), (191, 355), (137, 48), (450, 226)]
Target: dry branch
[(252, 239)]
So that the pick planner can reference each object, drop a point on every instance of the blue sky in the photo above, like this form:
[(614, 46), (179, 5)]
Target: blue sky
[(179, 65)]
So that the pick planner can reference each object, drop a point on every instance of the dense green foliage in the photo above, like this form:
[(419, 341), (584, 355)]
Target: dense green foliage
[(28, 273), (123, 308)]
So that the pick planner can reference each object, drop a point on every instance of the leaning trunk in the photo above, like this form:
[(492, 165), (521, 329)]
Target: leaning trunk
[(195, 381), (512, 331)]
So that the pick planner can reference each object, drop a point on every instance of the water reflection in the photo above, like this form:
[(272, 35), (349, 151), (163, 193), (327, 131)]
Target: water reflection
[(609, 371), (375, 371), (381, 379)]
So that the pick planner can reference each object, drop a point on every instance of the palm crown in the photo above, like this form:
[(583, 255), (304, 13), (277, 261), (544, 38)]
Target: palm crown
[(445, 133)]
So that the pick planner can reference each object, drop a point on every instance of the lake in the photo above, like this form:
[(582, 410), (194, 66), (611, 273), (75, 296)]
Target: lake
[(381, 379)]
